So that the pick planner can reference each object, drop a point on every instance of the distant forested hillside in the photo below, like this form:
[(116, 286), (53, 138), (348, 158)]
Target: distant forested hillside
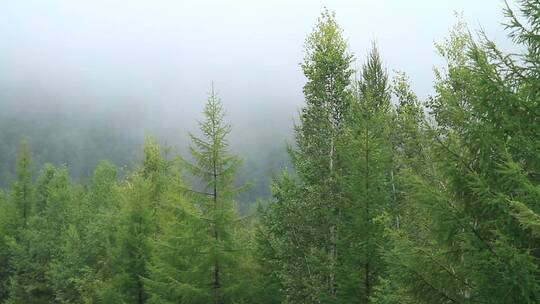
[(62, 132)]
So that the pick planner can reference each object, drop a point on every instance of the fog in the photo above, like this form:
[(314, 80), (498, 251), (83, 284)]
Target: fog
[(73, 73)]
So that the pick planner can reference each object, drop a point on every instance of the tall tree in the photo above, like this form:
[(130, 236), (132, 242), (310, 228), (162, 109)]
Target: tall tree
[(216, 169), (476, 239), (306, 212), (411, 146), (366, 156)]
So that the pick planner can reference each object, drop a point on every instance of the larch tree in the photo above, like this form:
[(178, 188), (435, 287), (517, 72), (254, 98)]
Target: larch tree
[(216, 170), (476, 239), (38, 245), (80, 271), (174, 268), (366, 156), (411, 146), (142, 196), (23, 188), (5, 234), (174, 273)]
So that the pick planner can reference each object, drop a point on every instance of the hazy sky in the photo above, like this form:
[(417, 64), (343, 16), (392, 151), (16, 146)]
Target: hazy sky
[(156, 59)]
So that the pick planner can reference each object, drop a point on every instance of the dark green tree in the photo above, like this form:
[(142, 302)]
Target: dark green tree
[(366, 157), (5, 233), (411, 146), (23, 188)]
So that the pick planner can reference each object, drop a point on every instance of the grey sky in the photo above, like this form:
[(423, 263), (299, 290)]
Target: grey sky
[(170, 51), (140, 67), (153, 61)]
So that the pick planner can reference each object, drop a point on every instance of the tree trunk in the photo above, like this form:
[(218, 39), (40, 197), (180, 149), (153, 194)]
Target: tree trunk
[(216, 284)]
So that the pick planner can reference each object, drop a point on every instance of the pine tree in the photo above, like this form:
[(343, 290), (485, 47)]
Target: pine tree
[(174, 268), (23, 190), (475, 233), (5, 232), (411, 146), (38, 245), (84, 263), (216, 170), (142, 197), (366, 157)]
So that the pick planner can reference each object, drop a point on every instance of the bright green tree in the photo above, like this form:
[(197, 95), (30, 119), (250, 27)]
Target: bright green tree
[(84, 264), (301, 225), (216, 170), (38, 245), (175, 274), (141, 196), (475, 239), (16, 210)]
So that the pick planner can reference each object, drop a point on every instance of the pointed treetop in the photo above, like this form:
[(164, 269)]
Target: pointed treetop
[(373, 83)]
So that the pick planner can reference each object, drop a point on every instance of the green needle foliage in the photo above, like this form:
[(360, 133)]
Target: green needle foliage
[(366, 156), (474, 233), (23, 189), (391, 199), (222, 255), (37, 244)]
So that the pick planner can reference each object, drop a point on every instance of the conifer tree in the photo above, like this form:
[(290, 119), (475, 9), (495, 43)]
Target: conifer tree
[(174, 273), (23, 189), (366, 156), (84, 263), (216, 169), (475, 237), (5, 233), (142, 197), (411, 145), (38, 245)]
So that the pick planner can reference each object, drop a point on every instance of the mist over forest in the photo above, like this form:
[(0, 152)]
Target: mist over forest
[(234, 152), (85, 82)]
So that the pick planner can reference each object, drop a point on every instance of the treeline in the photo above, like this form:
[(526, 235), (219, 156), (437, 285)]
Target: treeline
[(390, 199)]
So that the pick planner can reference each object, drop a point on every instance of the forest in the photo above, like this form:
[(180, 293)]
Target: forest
[(383, 198)]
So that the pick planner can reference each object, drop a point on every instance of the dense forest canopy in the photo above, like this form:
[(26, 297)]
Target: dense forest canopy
[(381, 197)]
